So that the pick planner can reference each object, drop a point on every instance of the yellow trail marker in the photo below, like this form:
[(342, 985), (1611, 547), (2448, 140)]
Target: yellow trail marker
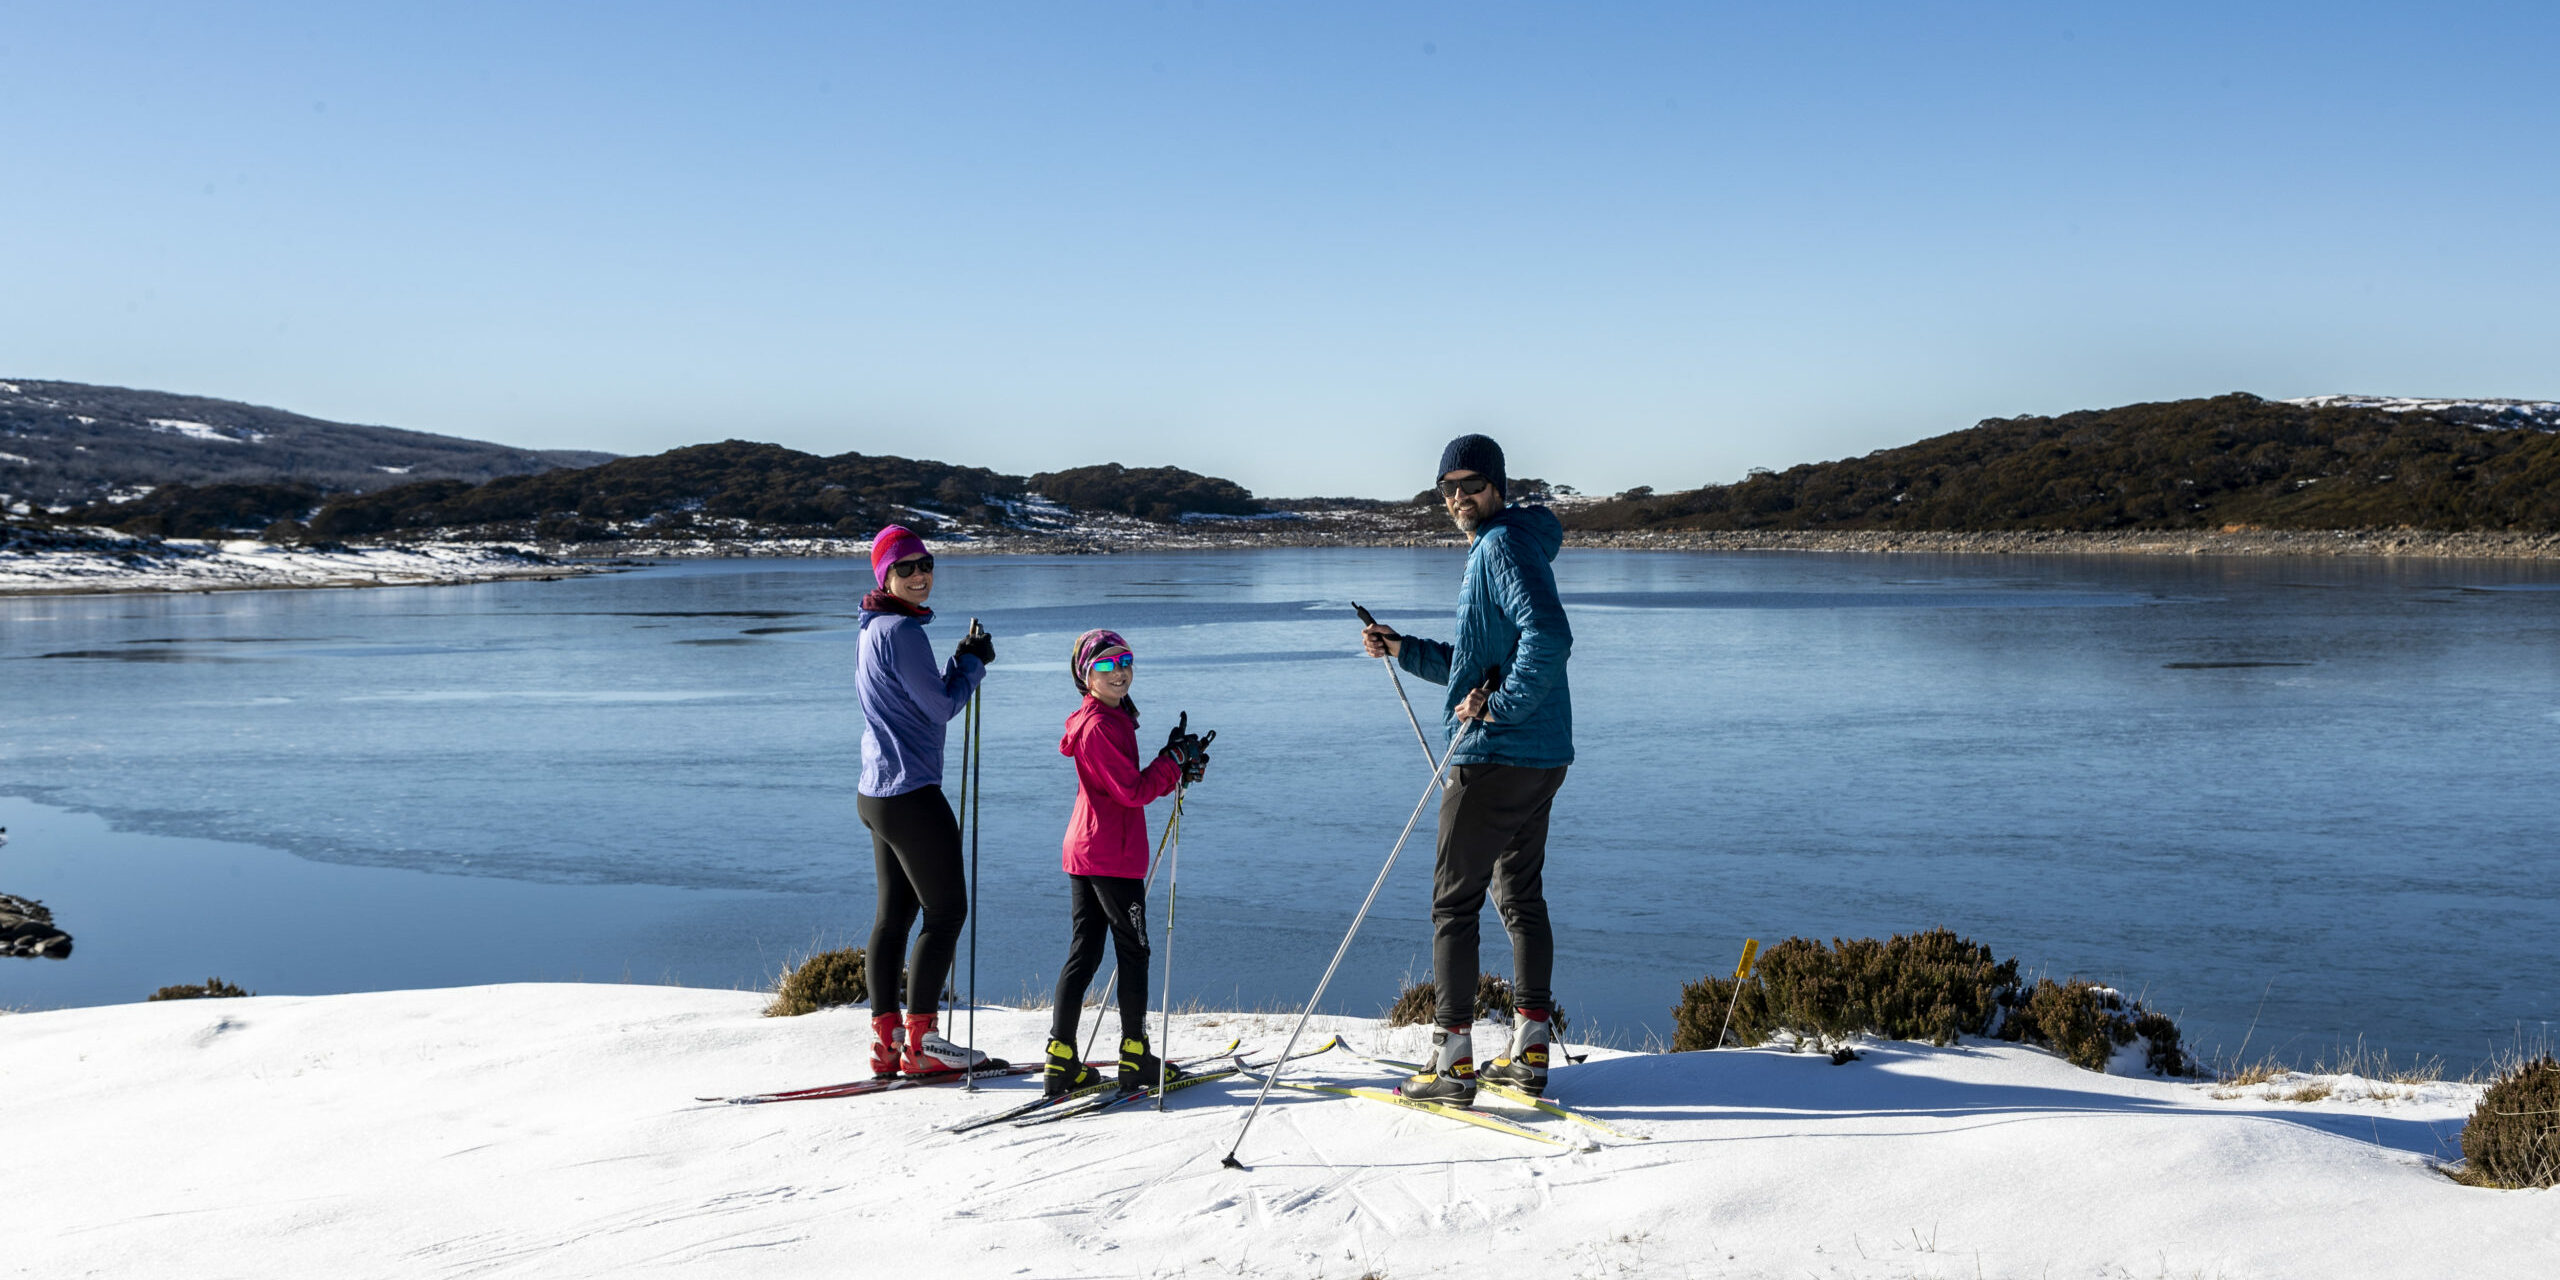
[(1750, 952)]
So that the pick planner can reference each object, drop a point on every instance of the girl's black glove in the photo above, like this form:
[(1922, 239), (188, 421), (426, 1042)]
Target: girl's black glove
[(1188, 749), (978, 644)]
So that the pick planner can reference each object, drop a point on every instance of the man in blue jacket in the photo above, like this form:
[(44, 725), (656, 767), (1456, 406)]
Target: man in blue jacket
[(1508, 753)]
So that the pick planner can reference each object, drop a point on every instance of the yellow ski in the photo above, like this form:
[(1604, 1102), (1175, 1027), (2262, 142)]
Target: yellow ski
[(1509, 1094), (1477, 1118)]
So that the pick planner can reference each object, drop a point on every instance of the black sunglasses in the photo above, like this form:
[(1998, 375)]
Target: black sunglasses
[(910, 568), (1471, 486)]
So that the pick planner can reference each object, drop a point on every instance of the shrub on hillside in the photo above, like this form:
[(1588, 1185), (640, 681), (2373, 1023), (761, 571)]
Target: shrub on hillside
[(2513, 1138), (2086, 1023), (822, 981), (212, 988), (1419, 1004), (1700, 1018), (1932, 986)]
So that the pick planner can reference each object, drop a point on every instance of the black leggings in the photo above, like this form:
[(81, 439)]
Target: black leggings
[(915, 852), (1104, 904)]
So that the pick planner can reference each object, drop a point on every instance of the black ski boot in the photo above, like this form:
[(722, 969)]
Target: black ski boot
[(1065, 1072), (1525, 1067), (1138, 1067), (1452, 1077)]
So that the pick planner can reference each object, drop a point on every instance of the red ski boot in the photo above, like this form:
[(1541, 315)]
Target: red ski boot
[(885, 1055), (929, 1055)]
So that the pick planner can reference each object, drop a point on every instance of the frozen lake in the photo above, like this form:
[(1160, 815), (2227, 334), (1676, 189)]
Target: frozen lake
[(2314, 795)]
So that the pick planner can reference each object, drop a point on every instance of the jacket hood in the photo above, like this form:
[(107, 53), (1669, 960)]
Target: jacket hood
[(1535, 527), (1093, 707)]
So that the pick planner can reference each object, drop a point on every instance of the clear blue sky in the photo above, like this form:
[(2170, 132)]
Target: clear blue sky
[(1298, 245)]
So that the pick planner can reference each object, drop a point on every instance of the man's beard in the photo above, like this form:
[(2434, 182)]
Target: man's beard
[(1466, 519)]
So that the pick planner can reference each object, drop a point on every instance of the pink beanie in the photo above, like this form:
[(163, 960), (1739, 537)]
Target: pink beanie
[(1089, 646), (894, 544)]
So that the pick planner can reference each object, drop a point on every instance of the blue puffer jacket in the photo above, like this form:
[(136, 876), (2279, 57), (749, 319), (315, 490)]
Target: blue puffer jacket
[(1508, 617)]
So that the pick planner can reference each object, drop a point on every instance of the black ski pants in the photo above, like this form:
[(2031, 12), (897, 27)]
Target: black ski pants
[(1116, 905), (1493, 836), (915, 853)]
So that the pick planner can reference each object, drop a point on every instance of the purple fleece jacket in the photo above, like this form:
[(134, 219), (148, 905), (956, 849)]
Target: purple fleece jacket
[(905, 704)]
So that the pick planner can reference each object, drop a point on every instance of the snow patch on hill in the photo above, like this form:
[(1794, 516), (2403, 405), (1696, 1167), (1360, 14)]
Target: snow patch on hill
[(2541, 414), (552, 1130), (86, 560)]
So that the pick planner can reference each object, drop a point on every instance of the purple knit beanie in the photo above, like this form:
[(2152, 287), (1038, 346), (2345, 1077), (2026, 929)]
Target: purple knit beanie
[(894, 544), (1089, 646)]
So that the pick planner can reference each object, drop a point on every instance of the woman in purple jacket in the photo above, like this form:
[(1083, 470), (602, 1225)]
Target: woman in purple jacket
[(915, 840)]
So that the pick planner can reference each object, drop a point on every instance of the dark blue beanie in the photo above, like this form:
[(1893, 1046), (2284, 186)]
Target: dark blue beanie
[(1478, 454)]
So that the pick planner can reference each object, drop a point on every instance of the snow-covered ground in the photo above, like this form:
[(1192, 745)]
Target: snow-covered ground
[(550, 1130), (117, 562)]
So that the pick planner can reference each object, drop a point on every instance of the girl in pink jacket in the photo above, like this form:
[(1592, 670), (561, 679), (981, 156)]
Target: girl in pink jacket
[(1106, 856)]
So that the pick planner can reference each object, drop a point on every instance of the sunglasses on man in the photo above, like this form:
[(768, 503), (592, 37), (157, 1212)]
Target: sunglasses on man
[(1115, 662), (1471, 486), (910, 568)]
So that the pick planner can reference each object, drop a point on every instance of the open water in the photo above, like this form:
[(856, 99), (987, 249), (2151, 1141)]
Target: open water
[(2295, 803)]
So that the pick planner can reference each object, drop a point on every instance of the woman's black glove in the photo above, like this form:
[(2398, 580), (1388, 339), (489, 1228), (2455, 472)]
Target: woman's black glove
[(978, 644), (1197, 766)]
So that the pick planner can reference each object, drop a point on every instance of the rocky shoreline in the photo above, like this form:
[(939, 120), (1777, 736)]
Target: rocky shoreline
[(96, 561), (2235, 542), (2240, 542)]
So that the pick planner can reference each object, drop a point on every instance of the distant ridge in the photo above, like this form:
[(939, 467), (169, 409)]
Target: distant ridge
[(70, 443), (2328, 462)]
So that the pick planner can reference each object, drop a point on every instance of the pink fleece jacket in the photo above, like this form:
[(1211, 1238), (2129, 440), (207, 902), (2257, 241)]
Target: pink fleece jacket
[(1107, 834)]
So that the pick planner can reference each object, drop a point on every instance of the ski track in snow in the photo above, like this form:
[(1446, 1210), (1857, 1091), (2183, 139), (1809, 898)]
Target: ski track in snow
[(549, 1130)]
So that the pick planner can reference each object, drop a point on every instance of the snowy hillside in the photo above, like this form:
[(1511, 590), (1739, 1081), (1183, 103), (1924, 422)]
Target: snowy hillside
[(551, 1130), (67, 443)]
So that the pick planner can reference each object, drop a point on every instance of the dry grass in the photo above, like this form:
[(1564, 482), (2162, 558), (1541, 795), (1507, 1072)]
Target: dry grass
[(2256, 1073), (822, 981), (2312, 1091)]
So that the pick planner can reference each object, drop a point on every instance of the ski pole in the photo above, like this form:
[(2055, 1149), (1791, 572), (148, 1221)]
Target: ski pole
[(973, 755), (1172, 895), (1367, 621), (1492, 678)]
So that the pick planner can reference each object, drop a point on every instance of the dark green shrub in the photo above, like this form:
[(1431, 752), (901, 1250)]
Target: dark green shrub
[(1700, 1015), (2079, 1019), (1932, 986), (822, 981), (2166, 1053), (2513, 1138), (213, 987), (1419, 1004), (2086, 1023)]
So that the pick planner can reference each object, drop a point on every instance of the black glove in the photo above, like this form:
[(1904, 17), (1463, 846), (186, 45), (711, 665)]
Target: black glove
[(978, 644), (1387, 637), (1188, 749)]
